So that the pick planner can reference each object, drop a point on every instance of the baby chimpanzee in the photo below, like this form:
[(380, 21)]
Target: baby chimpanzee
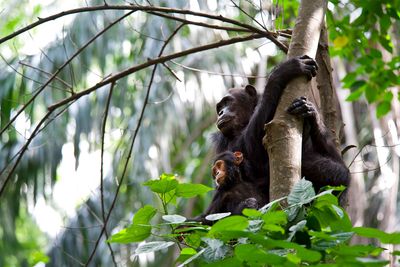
[(233, 191)]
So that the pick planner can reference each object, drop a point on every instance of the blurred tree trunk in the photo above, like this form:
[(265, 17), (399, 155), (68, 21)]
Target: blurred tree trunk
[(284, 132), (357, 191)]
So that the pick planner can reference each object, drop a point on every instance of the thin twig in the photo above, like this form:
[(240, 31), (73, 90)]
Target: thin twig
[(23, 150), (171, 71), (217, 73), (45, 72), (103, 130), (59, 70), (248, 15), (139, 123), (201, 24), (24, 76), (71, 70), (158, 60)]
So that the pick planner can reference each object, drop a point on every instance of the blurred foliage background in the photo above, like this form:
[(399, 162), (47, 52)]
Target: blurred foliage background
[(50, 209)]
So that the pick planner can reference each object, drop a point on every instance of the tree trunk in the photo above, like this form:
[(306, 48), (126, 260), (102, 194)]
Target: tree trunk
[(284, 133), (327, 92)]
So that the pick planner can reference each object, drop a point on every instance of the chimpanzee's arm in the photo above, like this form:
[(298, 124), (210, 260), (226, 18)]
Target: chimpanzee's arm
[(248, 203), (323, 170), (265, 110), (314, 128)]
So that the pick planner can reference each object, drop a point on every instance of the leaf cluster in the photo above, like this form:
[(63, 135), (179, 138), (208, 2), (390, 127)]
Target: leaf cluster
[(313, 230), (364, 32)]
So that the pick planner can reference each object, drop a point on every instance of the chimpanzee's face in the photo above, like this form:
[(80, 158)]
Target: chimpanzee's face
[(226, 171), (235, 109)]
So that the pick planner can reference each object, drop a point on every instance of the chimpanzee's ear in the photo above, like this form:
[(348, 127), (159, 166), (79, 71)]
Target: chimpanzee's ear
[(238, 157), (251, 90)]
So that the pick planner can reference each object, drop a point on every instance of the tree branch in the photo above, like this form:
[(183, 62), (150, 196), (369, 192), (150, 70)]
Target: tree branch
[(103, 131), (151, 62)]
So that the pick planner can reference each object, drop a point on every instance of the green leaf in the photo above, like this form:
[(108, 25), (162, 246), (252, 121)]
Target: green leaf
[(192, 258), (355, 94), (251, 213), (230, 261), (349, 79), (152, 246), (162, 186), (304, 253), (215, 250), (232, 223), (190, 229), (144, 215), (330, 216), (191, 190), (300, 226), (217, 216), (293, 258), (368, 262), (255, 225), (325, 198), (324, 241), (388, 96), (186, 253), (357, 84), (393, 12), (383, 108), (340, 42), (358, 250), (252, 254), (275, 217), (193, 240), (174, 218), (385, 238), (302, 193), (371, 93), (134, 233), (386, 43), (273, 205), (375, 53), (396, 253), (274, 228), (139, 230)]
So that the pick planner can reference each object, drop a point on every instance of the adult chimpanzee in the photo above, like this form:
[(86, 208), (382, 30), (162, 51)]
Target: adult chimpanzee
[(233, 190), (241, 119)]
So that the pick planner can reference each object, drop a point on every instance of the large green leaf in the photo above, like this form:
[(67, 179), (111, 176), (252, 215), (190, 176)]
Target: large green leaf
[(144, 215), (139, 230), (232, 223), (134, 233), (302, 193), (273, 221), (162, 186), (215, 250), (386, 238), (191, 190), (252, 254)]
